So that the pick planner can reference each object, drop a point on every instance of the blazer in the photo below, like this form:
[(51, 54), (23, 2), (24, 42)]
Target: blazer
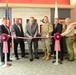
[(57, 29), (18, 32), (6, 30), (31, 32), (0, 34)]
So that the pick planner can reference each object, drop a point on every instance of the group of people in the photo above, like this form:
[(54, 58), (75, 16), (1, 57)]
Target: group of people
[(31, 32)]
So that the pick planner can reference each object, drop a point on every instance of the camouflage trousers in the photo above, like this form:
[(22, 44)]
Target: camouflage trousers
[(46, 45)]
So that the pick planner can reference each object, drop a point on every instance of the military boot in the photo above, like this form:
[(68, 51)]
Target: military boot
[(48, 56), (44, 56)]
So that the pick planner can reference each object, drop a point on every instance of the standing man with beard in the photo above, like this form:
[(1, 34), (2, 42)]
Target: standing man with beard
[(17, 31)]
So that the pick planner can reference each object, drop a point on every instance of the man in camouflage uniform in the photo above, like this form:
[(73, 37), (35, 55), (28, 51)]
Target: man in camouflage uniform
[(47, 29)]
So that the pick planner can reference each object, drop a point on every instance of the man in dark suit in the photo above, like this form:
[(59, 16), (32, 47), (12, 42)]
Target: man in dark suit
[(57, 27), (17, 31), (32, 32), (5, 29), (0, 45)]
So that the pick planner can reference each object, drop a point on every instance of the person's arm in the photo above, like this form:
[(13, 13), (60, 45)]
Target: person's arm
[(1, 33), (50, 29), (68, 30), (36, 32), (0, 30), (60, 28), (13, 32), (26, 31)]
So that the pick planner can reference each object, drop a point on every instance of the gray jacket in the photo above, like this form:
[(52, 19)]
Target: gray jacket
[(31, 32)]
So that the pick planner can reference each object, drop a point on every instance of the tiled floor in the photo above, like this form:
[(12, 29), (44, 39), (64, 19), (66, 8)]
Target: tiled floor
[(39, 67)]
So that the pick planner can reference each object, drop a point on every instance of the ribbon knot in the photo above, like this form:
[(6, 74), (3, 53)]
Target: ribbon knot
[(57, 37)]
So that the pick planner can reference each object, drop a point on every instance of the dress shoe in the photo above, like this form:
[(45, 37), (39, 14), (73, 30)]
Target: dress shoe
[(53, 61), (66, 57), (60, 62), (31, 59), (17, 58), (37, 57), (61, 59), (9, 60), (70, 60), (24, 56)]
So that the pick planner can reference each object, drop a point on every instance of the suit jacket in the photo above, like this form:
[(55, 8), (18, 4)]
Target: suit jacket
[(57, 29), (0, 34), (18, 32), (31, 32), (6, 30)]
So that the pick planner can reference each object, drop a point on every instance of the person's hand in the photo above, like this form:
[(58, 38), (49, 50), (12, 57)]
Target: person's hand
[(30, 37), (47, 36), (15, 36), (9, 36), (61, 35), (34, 36)]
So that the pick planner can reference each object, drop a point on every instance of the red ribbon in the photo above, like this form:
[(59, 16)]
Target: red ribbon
[(57, 38), (5, 47), (57, 45), (4, 38)]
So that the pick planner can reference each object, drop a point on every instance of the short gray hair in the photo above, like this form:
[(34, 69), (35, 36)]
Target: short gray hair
[(68, 19)]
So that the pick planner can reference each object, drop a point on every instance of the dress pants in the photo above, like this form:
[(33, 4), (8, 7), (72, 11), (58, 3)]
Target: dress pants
[(70, 50), (3, 55), (35, 43), (61, 52), (22, 47)]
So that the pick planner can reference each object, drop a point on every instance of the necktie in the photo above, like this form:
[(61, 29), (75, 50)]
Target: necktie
[(7, 29), (31, 28), (19, 28)]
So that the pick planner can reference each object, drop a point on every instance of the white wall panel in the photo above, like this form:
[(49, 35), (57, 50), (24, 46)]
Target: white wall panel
[(26, 13), (72, 2)]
